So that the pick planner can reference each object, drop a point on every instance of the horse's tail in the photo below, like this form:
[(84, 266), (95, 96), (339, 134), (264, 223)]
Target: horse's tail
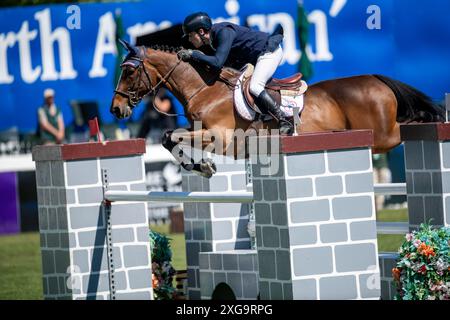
[(413, 105)]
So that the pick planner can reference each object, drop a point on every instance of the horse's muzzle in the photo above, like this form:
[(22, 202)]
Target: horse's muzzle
[(121, 113)]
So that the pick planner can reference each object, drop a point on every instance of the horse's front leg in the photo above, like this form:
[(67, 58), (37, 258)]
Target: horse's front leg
[(198, 142)]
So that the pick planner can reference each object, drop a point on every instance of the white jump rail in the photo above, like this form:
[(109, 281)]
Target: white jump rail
[(392, 227), (219, 197), (390, 188), (211, 197), (247, 197)]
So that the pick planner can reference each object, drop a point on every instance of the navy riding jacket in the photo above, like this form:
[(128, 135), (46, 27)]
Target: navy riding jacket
[(237, 45)]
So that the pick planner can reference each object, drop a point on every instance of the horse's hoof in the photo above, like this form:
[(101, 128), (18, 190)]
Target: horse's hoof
[(208, 168), (188, 166)]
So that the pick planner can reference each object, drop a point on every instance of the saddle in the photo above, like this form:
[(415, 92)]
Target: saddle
[(290, 86), (292, 83)]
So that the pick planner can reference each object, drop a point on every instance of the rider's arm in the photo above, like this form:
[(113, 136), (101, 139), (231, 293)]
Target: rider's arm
[(225, 39)]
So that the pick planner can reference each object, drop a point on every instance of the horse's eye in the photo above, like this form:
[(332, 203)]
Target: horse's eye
[(129, 71)]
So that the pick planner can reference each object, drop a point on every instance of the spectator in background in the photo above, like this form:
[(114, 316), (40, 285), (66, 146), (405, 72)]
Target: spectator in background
[(51, 122), (155, 123)]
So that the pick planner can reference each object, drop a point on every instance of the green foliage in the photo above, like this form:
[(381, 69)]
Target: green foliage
[(160, 245), (162, 269), (423, 270), (120, 34), (304, 66)]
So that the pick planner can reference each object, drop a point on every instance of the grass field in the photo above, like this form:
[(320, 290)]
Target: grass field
[(20, 258)]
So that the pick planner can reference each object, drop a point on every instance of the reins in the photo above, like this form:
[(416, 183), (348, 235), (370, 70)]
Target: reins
[(132, 94)]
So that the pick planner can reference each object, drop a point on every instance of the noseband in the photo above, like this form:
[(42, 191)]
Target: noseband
[(132, 93)]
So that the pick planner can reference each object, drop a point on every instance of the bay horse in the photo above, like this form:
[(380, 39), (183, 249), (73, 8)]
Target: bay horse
[(360, 102)]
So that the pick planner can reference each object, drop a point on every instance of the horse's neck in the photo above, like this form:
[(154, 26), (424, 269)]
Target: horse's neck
[(183, 81)]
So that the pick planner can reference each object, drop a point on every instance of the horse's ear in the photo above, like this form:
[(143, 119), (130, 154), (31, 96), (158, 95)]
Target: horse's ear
[(132, 49), (123, 43)]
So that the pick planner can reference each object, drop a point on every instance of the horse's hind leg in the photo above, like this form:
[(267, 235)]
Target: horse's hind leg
[(387, 141)]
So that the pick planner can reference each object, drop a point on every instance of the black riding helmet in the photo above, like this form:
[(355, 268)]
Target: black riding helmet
[(195, 21)]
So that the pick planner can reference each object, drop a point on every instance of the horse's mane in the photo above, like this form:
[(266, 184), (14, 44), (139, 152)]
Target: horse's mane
[(171, 49), (229, 74), (164, 48)]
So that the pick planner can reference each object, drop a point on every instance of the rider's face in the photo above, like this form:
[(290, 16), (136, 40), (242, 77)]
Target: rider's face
[(49, 100), (195, 39)]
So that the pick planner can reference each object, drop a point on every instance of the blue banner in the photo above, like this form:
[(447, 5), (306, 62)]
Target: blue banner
[(71, 48), (408, 40)]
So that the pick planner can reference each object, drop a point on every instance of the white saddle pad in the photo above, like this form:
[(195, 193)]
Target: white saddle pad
[(288, 102)]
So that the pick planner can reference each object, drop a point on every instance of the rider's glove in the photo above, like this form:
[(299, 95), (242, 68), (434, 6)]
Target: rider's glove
[(185, 54)]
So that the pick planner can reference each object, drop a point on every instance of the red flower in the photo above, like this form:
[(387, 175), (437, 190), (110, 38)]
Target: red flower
[(396, 272), (155, 282), (425, 250), (423, 269)]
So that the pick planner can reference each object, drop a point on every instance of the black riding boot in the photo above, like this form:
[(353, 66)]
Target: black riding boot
[(268, 105)]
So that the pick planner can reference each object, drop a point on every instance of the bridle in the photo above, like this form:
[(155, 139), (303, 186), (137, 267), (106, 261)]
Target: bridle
[(132, 93)]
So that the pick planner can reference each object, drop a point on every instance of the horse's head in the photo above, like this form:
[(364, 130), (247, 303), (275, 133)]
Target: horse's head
[(144, 70), (134, 83)]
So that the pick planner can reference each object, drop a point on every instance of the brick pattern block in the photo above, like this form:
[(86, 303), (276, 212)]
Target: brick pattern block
[(428, 182), (238, 269), (315, 225), (388, 261), (73, 230), (214, 227)]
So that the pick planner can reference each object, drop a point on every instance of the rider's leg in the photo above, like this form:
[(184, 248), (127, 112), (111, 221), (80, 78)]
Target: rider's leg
[(264, 69)]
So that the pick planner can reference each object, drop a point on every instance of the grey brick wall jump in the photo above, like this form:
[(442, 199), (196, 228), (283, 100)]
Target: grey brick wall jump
[(304, 246), (72, 224)]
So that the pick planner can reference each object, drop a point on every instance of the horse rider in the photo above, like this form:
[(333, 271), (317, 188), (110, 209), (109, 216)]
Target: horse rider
[(236, 46)]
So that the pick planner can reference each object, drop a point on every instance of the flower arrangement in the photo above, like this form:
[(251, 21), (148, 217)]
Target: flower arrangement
[(162, 270), (423, 270)]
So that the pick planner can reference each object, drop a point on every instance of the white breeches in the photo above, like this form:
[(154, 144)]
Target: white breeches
[(265, 67)]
